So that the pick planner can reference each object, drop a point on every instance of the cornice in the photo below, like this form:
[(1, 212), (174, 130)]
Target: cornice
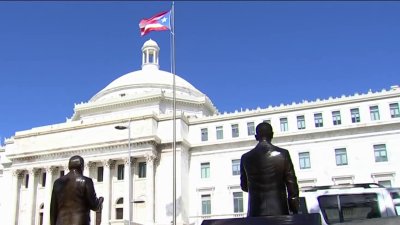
[(70, 126), (157, 98), (109, 148), (305, 105)]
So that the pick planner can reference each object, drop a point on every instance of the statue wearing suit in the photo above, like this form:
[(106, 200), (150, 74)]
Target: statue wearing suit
[(267, 174), (73, 197)]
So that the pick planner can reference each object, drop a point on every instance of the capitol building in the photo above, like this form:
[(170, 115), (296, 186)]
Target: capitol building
[(339, 140)]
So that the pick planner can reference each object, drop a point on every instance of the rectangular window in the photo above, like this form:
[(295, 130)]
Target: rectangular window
[(385, 183), (394, 110), (237, 202), (304, 159), (337, 119), (355, 115), (301, 122), (41, 218), (204, 134), (205, 170), (318, 120), (380, 153), (341, 156), (142, 169), (250, 128), (220, 132), (100, 172), (119, 213), (235, 130), (374, 112), (26, 180), (206, 204), (44, 179), (284, 124), (236, 167), (120, 171), (267, 121)]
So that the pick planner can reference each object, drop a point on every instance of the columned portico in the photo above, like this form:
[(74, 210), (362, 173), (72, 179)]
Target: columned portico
[(34, 174), (150, 158), (106, 213), (50, 170)]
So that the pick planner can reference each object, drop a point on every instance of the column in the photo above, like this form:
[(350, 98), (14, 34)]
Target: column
[(86, 172), (88, 167), (150, 157), (50, 171), (16, 177), (127, 189), (106, 212), (133, 164), (33, 175), (66, 168)]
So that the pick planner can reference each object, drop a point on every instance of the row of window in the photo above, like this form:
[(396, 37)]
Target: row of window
[(205, 168), (341, 156), (42, 181), (121, 171), (237, 198), (305, 161), (100, 174), (301, 121), (234, 128), (337, 118)]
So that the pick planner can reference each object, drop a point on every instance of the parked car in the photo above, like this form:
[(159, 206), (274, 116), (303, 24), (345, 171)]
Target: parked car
[(343, 203)]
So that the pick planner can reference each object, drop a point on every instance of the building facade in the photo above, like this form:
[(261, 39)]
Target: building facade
[(342, 140)]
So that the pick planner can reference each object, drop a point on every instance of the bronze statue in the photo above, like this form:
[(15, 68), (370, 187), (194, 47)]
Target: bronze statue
[(267, 174), (73, 196)]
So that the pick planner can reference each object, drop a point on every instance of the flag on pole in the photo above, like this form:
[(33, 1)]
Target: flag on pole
[(158, 22)]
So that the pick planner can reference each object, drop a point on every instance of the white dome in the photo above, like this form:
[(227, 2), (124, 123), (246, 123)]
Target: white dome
[(143, 81), (147, 80), (146, 91)]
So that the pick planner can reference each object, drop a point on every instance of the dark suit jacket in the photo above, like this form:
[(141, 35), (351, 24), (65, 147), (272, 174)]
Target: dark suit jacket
[(72, 199), (267, 173)]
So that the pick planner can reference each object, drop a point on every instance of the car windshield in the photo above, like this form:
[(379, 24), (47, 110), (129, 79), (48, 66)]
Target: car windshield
[(348, 207)]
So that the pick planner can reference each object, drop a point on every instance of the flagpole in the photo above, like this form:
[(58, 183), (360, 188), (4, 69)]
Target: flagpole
[(173, 114)]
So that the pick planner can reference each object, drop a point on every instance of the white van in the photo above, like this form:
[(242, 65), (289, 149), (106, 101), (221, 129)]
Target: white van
[(343, 203), (395, 193)]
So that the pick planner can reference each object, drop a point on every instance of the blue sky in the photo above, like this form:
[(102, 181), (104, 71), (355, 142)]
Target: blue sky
[(241, 54)]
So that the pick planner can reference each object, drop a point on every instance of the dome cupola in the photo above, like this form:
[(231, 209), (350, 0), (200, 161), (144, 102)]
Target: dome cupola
[(150, 52)]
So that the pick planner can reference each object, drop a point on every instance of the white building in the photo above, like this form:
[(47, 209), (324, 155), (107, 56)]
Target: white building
[(349, 139)]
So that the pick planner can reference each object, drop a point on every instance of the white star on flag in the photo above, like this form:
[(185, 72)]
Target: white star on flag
[(163, 19)]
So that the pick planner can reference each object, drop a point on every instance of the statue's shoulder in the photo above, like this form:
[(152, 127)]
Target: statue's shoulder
[(276, 148), (87, 179)]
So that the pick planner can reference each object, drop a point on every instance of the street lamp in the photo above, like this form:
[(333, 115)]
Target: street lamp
[(129, 169)]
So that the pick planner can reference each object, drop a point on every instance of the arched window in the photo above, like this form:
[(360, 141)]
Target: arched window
[(119, 209), (41, 209)]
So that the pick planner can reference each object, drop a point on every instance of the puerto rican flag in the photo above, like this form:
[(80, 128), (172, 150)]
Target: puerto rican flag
[(158, 22)]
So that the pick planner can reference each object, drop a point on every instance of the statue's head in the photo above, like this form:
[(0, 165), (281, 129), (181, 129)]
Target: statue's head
[(76, 162), (264, 132)]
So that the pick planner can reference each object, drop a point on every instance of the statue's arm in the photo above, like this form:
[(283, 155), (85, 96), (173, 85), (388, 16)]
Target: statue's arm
[(93, 202), (292, 186), (243, 176)]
